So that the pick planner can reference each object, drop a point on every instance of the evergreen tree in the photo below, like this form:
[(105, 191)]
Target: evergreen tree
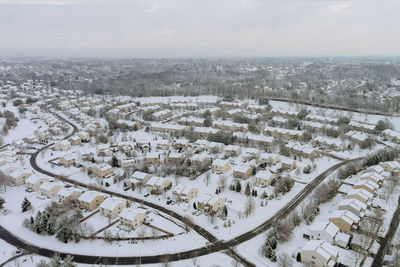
[(26, 205), (38, 223), (238, 186), (247, 190), (2, 201)]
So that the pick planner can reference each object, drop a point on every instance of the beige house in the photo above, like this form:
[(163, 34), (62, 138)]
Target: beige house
[(211, 203), (360, 194), (162, 144), (132, 217), (270, 159), (71, 193), (104, 150), (233, 150), (34, 182), (102, 170), (287, 163), (91, 200), (345, 220), (175, 157), (367, 185), (156, 185), (19, 176), (220, 166), (201, 160), (180, 144), (74, 140), (126, 163), (264, 178), (111, 207), (373, 176), (390, 166), (152, 158), (184, 192), (50, 189), (141, 177), (319, 253), (84, 136), (67, 160), (63, 145), (243, 172)]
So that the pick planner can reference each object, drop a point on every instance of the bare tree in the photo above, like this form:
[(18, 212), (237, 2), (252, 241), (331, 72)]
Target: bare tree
[(207, 177), (249, 207), (5, 180), (284, 260), (222, 182)]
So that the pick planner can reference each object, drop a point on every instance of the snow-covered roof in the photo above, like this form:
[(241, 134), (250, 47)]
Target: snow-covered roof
[(130, 213), (111, 203), (88, 196)]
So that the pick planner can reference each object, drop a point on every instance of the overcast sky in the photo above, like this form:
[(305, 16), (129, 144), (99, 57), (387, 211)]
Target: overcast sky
[(199, 28)]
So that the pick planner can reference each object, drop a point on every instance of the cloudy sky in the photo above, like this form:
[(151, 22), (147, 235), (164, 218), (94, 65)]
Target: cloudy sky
[(199, 28)]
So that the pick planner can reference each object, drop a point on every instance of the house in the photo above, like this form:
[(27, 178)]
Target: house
[(233, 150), (288, 163), (111, 207), (102, 171), (360, 194), (84, 136), (184, 192), (391, 135), (74, 140), (220, 166), (201, 145), (132, 217), (390, 166), (104, 150), (162, 144), (67, 160), (345, 220), (354, 205), (269, 159), (372, 176), (342, 240), (19, 176), (50, 189), (180, 144), (211, 203), (264, 178), (156, 185), (91, 200), (376, 169), (63, 145), (34, 182), (216, 147), (141, 177), (152, 158), (71, 193), (174, 157), (368, 185), (322, 231), (243, 172), (319, 253), (201, 160), (126, 163)]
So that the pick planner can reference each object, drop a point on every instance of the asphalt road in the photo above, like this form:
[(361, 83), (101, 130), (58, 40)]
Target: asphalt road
[(388, 238), (215, 245)]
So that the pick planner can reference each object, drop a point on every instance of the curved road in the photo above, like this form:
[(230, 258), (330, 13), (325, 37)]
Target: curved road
[(214, 246)]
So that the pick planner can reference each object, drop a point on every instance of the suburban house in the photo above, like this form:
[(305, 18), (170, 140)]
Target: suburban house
[(264, 178), (126, 163), (174, 157), (288, 163), (141, 177), (319, 253), (74, 140), (373, 176), (368, 185), (34, 182), (201, 160), (360, 194), (102, 171), (184, 192), (104, 150), (156, 185), (132, 217), (111, 207), (152, 158), (345, 220), (180, 144), (354, 205), (50, 189), (67, 160), (91, 200), (269, 159), (162, 144), (322, 231), (220, 166), (210, 203), (233, 150), (63, 145), (70, 193), (84, 136), (19, 176), (243, 172), (390, 166)]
